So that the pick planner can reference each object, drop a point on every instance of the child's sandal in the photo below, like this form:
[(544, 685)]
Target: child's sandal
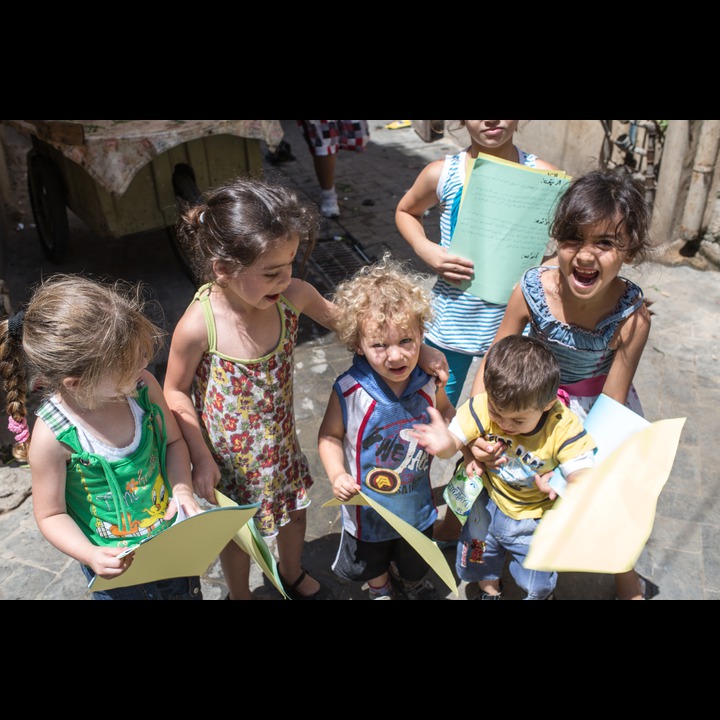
[(293, 594)]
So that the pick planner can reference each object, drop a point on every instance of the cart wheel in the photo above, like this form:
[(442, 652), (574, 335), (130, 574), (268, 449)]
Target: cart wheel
[(186, 193), (47, 199), (185, 185)]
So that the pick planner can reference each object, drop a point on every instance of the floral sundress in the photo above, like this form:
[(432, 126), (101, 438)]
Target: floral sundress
[(248, 421)]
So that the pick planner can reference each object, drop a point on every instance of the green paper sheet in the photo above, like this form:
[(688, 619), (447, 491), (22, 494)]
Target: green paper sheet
[(253, 543), (503, 223)]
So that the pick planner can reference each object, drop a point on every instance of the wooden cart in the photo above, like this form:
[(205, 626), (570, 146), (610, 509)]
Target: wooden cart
[(122, 177)]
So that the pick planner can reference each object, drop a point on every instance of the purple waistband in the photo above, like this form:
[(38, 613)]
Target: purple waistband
[(586, 388)]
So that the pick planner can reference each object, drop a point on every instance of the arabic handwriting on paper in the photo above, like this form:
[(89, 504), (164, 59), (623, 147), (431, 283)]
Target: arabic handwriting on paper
[(502, 224)]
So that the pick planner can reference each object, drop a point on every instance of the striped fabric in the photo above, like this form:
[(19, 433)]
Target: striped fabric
[(54, 418), (463, 323)]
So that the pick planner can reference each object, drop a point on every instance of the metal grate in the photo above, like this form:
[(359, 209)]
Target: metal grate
[(332, 260), (335, 259)]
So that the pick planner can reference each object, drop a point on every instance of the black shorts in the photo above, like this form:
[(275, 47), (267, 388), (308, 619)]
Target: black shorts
[(361, 561)]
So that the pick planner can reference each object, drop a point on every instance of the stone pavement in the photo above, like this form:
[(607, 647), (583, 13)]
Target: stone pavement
[(677, 378)]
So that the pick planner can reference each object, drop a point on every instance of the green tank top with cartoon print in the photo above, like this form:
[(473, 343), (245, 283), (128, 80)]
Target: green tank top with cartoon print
[(116, 502)]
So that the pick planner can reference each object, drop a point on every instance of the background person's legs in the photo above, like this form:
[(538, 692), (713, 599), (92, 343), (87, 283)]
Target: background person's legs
[(325, 172)]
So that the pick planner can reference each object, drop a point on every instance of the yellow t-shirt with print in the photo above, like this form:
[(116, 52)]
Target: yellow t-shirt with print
[(558, 438)]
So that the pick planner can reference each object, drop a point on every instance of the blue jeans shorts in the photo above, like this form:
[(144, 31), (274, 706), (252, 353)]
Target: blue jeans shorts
[(488, 537), (182, 588)]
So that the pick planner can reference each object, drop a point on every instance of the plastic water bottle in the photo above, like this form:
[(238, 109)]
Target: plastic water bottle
[(461, 492)]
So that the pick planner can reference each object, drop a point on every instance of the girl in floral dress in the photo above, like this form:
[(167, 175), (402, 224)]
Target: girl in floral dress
[(229, 378)]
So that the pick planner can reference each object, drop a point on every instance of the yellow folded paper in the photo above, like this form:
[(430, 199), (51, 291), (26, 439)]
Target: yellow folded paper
[(604, 520), (427, 549), (185, 549), (250, 540)]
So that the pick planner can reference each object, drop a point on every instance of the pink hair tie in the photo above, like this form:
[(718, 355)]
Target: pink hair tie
[(19, 429), (563, 397)]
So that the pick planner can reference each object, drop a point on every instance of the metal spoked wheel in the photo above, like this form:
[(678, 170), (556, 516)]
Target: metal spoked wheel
[(637, 152), (608, 145), (47, 199)]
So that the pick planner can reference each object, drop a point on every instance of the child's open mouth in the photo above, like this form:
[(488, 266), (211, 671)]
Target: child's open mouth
[(585, 277)]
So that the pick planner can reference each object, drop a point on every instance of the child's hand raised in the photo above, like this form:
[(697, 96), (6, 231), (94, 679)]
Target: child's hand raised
[(434, 436)]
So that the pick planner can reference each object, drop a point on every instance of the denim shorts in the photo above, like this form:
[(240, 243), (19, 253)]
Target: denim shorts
[(361, 561), (182, 588), (488, 537)]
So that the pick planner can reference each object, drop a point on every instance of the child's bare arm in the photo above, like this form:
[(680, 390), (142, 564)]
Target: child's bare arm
[(189, 342), (330, 448), (633, 334), (177, 454), (444, 406), (409, 220), (306, 298), (48, 460)]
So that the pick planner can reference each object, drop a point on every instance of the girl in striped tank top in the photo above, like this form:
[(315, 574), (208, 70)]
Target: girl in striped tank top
[(464, 325)]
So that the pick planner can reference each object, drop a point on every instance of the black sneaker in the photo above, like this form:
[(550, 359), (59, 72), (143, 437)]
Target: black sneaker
[(420, 590), (406, 590)]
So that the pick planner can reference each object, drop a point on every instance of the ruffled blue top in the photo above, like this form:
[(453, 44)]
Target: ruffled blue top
[(581, 353)]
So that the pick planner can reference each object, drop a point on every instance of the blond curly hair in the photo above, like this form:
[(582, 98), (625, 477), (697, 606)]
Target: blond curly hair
[(386, 291)]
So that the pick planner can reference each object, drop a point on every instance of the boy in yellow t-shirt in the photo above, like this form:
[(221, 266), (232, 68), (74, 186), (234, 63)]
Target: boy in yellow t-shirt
[(519, 408)]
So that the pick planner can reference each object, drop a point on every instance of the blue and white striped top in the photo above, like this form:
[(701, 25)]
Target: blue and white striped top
[(463, 323)]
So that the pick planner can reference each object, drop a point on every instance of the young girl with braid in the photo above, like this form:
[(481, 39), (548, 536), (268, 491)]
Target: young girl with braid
[(109, 464)]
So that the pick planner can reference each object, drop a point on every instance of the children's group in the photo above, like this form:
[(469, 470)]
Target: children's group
[(116, 458)]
